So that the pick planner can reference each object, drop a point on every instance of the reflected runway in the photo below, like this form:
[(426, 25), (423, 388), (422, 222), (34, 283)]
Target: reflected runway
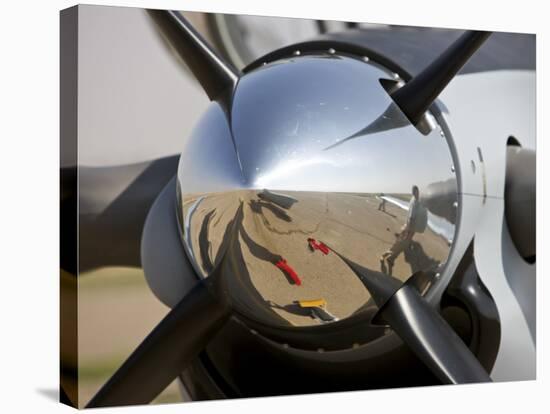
[(267, 234)]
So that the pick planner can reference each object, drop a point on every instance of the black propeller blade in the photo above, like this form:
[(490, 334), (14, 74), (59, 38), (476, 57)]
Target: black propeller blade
[(217, 77), (425, 332), (431, 338), (416, 96), (160, 358)]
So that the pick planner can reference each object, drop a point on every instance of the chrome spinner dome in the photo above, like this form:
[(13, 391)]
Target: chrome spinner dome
[(312, 177)]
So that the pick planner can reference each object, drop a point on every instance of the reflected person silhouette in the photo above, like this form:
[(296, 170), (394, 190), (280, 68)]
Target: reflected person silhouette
[(382, 205), (416, 221)]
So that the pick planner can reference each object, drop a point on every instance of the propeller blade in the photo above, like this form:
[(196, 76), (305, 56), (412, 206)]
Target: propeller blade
[(166, 351), (431, 338), (217, 77), (380, 286), (420, 326), (416, 96)]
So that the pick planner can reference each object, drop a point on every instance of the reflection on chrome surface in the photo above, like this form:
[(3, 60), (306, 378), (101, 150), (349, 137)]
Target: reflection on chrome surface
[(281, 202)]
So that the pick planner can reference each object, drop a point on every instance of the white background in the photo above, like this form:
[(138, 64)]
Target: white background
[(29, 226)]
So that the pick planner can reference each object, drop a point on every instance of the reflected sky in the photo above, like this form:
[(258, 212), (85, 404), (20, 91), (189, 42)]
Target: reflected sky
[(286, 115)]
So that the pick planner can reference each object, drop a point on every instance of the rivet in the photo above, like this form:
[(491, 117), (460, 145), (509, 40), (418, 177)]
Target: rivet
[(331, 51), (296, 53)]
